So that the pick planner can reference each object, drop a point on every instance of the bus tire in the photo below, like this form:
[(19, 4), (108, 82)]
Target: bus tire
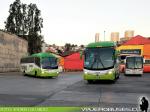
[(113, 81), (24, 73), (90, 81), (117, 77), (35, 73)]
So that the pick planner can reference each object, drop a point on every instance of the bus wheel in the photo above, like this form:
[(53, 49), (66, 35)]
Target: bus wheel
[(24, 73), (35, 73), (117, 77), (90, 81)]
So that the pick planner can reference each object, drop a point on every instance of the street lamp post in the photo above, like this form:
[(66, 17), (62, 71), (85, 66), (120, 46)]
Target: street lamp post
[(104, 35)]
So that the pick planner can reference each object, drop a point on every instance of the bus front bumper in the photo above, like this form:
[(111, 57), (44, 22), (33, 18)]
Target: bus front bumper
[(106, 76), (46, 74), (134, 71)]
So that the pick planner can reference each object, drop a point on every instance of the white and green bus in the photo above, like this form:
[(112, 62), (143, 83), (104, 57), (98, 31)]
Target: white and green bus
[(100, 62), (40, 64)]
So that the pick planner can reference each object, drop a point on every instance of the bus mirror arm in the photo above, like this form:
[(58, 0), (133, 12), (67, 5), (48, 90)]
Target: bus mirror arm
[(143, 60), (124, 60)]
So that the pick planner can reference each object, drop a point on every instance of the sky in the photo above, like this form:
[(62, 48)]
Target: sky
[(77, 21)]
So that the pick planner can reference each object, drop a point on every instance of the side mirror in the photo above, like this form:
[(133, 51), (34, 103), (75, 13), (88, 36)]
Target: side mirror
[(143, 60), (124, 60), (117, 60)]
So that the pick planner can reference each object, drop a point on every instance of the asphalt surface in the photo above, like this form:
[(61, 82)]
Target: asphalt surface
[(69, 89)]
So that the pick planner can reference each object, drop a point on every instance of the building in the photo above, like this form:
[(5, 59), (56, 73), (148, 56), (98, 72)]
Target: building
[(115, 36), (129, 34), (122, 40), (137, 45), (97, 37), (12, 49)]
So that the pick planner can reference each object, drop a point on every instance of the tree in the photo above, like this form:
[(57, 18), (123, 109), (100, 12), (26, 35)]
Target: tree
[(35, 23), (14, 20), (35, 43), (82, 46), (25, 20), (67, 47)]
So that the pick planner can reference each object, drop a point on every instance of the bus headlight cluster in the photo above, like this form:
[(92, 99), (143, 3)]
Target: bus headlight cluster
[(110, 71), (85, 73), (42, 71)]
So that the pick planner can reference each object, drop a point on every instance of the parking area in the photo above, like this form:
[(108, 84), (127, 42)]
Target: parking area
[(69, 89)]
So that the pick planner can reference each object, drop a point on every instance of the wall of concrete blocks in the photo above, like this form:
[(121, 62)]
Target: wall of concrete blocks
[(12, 48)]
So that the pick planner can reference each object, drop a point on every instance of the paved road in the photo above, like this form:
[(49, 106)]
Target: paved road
[(69, 89)]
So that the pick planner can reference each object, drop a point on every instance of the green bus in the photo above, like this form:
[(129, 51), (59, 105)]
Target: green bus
[(100, 62), (40, 64)]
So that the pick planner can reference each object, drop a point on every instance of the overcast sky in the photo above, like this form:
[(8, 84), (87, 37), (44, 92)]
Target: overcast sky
[(77, 21)]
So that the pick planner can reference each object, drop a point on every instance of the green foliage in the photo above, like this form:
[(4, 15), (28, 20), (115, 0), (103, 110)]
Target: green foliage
[(35, 43), (26, 21), (67, 47)]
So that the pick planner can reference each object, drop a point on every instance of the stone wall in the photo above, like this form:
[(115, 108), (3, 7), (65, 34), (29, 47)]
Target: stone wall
[(12, 48)]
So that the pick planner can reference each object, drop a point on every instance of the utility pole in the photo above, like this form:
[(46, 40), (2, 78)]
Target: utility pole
[(104, 35)]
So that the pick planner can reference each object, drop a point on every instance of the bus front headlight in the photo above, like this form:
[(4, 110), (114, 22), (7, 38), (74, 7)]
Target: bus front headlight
[(42, 71), (85, 72), (110, 71)]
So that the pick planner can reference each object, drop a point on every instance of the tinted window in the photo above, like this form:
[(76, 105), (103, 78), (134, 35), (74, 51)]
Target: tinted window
[(99, 58), (147, 61), (134, 62), (35, 60), (49, 63), (27, 60)]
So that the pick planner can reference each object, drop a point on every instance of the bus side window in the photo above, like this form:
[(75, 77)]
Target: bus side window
[(37, 61), (31, 66)]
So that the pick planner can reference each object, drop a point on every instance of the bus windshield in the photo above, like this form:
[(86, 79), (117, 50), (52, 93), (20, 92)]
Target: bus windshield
[(99, 58), (134, 62), (49, 63)]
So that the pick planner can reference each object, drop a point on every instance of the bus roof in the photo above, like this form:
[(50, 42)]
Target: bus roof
[(134, 56), (43, 55), (101, 44)]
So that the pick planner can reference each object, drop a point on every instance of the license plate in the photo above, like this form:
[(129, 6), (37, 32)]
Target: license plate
[(97, 73)]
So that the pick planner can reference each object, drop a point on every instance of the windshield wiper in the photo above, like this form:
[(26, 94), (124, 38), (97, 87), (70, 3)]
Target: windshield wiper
[(93, 63), (101, 62)]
